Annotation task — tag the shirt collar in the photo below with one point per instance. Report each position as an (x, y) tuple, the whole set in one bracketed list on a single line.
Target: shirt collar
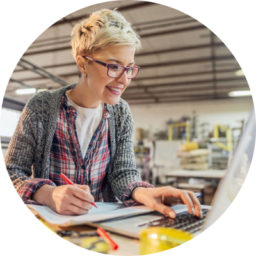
[(106, 113), (71, 109)]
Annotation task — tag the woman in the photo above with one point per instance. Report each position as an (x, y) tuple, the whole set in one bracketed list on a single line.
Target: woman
[(85, 131)]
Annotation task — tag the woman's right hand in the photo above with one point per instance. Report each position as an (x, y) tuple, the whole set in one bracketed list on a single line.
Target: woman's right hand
[(66, 199)]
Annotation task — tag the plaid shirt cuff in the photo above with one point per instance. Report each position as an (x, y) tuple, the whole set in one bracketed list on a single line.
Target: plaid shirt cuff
[(29, 187), (126, 197)]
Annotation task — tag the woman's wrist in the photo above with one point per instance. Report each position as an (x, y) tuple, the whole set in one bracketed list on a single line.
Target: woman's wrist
[(44, 194), (136, 193)]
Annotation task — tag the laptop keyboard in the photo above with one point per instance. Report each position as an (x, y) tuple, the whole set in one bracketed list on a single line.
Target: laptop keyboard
[(183, 221)]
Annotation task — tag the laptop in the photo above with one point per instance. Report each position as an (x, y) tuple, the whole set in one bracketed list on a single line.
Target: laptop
[(228, 188)]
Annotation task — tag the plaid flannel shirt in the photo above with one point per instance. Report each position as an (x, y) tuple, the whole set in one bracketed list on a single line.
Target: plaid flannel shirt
[(66, 158)]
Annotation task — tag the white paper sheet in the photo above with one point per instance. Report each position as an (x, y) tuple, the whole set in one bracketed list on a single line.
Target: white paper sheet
[(104, 211)]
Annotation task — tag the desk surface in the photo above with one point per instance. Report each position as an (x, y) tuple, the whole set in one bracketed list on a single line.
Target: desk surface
[(206, 174), (127, 246)]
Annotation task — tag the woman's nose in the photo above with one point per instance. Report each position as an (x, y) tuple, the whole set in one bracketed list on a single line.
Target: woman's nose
[(124, 78)]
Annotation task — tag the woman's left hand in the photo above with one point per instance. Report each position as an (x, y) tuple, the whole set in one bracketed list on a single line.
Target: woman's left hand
[(161, 198)]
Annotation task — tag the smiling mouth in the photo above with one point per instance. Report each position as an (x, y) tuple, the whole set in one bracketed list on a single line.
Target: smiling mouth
[(115, 91)]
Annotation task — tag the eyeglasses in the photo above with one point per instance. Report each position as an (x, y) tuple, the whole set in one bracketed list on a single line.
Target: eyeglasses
[(117, 70)]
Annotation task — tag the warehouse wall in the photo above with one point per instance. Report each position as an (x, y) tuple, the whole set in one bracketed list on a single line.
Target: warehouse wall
[(8, 119), (154, 117)]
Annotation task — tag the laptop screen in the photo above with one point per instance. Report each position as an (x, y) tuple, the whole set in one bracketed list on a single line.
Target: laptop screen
[(236, 173)]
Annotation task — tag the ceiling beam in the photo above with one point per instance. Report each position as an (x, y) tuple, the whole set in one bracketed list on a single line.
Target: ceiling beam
[(180, 100), (58, 49), (185, 74), (127, 94), (186, 61), (13, 104), (159, 24), (184, 83), (180, 97), (21, 83), (178, 49), (27, 65), (172, 31)]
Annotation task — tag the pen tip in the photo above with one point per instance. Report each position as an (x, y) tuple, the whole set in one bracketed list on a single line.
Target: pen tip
[(92, 203)]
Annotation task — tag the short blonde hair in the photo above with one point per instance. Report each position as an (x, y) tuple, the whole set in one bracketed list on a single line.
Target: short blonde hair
[(103, 28)]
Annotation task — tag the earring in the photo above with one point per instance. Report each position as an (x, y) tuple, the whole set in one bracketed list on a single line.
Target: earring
[(84, 75)]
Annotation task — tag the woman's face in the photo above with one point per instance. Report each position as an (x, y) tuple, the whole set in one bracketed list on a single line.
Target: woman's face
[(101, 87)]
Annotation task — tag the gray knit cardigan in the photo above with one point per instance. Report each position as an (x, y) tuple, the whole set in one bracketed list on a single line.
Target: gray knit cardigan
[(28, 155)]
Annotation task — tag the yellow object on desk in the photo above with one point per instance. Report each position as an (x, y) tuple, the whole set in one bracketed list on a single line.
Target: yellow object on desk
[(188, 146), (88, 240), (157, 239), (95, 244)]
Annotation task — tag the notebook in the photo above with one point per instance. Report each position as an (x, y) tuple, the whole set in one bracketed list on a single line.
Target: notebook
[(226, 192), (104, 211)]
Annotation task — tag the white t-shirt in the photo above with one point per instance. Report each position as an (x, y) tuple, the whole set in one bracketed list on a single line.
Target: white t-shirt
[(87, 121)]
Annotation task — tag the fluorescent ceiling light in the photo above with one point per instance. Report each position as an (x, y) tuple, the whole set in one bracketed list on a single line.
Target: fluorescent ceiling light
[(239, 93), (239, 72), (42, 90), (25, 91)]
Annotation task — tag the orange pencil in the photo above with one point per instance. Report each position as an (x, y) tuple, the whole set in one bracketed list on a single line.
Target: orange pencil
[(106, 237), (64, 177)]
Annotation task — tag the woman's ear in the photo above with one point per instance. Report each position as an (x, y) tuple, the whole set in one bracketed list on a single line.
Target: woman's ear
[(81, 64)]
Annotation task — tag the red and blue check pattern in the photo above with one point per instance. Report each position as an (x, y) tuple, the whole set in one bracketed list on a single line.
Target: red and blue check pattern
[(66, 156)]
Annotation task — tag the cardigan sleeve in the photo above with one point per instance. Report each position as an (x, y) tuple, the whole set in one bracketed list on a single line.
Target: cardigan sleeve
[(124, 176), (20, 156)]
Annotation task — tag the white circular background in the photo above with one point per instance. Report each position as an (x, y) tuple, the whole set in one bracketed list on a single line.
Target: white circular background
[(22, 21)]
